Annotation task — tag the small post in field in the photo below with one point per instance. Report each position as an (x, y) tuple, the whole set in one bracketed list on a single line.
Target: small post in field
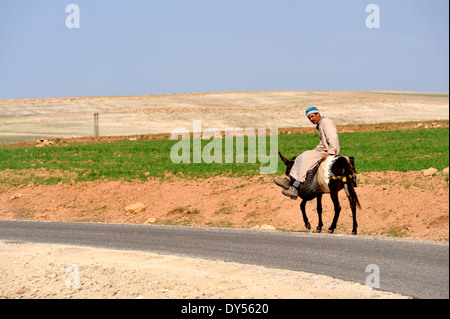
[(96, 127)]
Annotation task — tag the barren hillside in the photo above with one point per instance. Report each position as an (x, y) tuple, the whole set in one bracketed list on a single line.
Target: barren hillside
[(29, 119)]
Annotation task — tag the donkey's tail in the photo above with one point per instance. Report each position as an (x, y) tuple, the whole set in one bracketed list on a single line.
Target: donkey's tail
[(351, 193), (350, 183)]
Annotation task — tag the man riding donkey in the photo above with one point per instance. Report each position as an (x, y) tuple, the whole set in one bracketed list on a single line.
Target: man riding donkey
[(329, 145)]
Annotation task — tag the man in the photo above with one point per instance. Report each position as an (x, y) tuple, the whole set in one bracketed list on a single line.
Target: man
[(329, 145)]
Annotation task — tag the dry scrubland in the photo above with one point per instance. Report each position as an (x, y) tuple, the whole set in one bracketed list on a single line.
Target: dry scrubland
[(30, 119)]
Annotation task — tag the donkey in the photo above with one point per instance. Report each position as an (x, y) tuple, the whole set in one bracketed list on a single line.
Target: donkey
[(343, 176)]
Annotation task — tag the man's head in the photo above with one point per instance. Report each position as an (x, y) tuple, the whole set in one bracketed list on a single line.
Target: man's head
[(312, 113)]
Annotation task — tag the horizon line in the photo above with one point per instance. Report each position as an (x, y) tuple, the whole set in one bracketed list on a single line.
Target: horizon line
[(444, 94)]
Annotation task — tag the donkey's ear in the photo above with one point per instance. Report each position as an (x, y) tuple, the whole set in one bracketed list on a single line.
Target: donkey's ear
[(352, 161), (284, 159)]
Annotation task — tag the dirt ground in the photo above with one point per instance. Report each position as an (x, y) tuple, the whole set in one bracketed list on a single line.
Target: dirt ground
[(395, 204), (398, 204)]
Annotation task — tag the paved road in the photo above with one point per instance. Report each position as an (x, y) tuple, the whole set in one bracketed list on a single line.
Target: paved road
[(409, 267)]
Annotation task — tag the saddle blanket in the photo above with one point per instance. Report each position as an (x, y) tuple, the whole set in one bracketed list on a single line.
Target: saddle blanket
[(324, 174)]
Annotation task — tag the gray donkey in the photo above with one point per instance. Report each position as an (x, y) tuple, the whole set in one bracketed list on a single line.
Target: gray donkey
[(342, 176)]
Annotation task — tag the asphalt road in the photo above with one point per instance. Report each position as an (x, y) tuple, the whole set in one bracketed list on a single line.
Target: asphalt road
[(410, 267)]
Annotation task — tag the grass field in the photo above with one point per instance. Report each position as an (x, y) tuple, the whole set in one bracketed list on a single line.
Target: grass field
[(138, 160)]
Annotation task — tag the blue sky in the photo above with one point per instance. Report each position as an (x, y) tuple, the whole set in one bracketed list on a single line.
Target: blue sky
[(136, 47)]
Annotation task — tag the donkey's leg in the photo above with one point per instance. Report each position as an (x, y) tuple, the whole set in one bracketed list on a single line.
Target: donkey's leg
[(353, 204), (337, 210), (319, 212), (355, 224), (305, 218)]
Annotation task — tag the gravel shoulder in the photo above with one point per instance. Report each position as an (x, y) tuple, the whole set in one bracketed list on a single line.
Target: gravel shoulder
[(34, 271)]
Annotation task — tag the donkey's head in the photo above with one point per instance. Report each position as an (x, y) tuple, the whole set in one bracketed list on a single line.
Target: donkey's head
[(288, 163)]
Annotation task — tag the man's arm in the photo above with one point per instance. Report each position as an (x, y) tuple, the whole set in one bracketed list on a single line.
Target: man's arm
[(331, 137)]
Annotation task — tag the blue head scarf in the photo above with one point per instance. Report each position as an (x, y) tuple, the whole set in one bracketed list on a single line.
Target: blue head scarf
[(311, 110)]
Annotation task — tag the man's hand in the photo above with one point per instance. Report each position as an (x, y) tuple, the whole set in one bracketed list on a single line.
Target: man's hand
[(325, 157)]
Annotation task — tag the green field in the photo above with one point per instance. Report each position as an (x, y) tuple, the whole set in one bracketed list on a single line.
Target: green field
[(414, 150)]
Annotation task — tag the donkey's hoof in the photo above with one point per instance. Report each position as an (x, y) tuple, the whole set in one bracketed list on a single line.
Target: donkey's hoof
[(354, 232), (330, 231), (308, 226), (318, 229)]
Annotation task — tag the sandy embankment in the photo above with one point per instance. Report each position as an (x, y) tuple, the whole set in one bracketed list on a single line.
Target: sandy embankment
[(40, 271)]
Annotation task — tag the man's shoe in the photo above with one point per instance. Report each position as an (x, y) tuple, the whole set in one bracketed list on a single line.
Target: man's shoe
[(292, 193), (282, 182)]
